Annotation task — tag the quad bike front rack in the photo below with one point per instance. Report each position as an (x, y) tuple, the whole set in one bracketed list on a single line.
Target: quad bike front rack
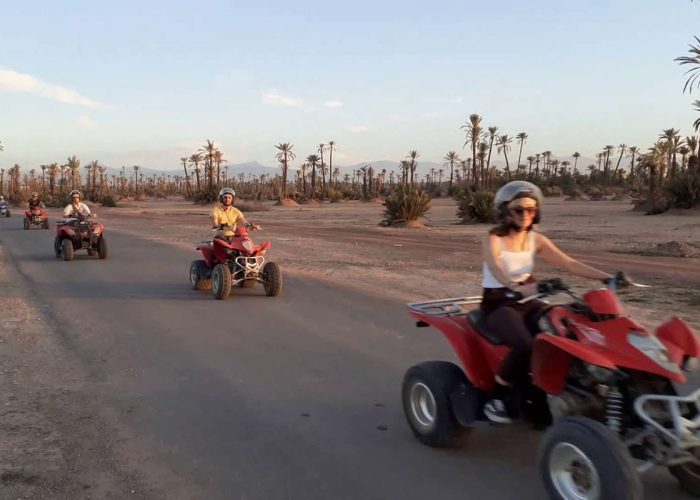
[(445, 307)]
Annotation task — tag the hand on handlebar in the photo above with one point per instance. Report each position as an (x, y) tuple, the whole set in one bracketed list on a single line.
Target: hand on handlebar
[(619, 280), (253, 227)]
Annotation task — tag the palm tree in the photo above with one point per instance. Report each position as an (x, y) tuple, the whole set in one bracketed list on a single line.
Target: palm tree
[(313, 161), (607, 151), (692, 143), (195, 159), (412, 156), (683, 151), (451, 158), (331, 148), (622, 148), (482, 151), (530, 159), (1, 147), (633, 151), (209, 149), (694, 61), (284, 156), (321, 150), (521, 137), (218, 160), (537, 166), (503, 142), (670, 137), (473, 133), (73, 166), (187, 177), (576, 156), (136, 179), (491, 135)]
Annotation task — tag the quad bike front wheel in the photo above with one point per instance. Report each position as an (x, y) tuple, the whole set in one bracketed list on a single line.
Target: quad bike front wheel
[(221, 281), (102, 248), (688, 475), (7, 214), (67, 249), (200, 275), (272, 279), (427, 405), (45, 224), (25, 223), (581, 458)]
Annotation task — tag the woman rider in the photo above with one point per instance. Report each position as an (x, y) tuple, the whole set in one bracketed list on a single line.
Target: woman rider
[(509, 261)]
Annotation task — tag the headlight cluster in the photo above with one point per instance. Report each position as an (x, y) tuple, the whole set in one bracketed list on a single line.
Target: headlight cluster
[(248, 245), (653, 349)]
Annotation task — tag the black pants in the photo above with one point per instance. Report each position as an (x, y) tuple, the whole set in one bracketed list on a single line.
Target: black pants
[(511, 322)]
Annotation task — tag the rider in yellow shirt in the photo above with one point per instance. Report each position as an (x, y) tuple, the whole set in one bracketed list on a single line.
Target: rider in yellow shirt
[(225, 217)]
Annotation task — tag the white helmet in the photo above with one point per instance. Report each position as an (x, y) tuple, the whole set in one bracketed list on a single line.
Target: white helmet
[(224, 191), (512, 191)]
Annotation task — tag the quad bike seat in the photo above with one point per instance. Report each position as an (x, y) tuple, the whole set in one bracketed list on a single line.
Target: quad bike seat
[(477, 321)]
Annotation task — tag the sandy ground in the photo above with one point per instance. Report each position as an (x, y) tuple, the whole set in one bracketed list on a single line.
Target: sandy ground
[(56, 441), (343, 242)]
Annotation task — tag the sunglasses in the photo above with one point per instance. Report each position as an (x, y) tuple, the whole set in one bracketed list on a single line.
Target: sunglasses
[(524, 210)]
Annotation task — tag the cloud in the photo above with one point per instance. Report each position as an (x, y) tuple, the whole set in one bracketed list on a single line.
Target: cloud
[(12, 81), (357, 129), (85, 122), (457, 100), (272, 98), (333, 104)]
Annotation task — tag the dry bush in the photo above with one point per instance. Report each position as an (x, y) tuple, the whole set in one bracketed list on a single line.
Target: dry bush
[(683, 190), (252, 207)]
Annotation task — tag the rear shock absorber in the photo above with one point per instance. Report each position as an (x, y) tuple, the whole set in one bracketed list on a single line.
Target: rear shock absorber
[(614, 406)]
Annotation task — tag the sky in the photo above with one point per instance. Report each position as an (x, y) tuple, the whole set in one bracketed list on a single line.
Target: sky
[(147, 82)]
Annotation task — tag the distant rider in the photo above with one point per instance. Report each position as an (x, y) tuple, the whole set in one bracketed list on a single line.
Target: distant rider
[(225, 216), (34, 202), (76, 207)]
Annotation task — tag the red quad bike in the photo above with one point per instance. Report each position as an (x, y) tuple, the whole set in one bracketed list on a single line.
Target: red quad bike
[(36, 217), (79, 233), (236, 261), (605, 382)]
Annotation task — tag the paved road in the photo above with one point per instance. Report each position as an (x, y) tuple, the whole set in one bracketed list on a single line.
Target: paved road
[(263, 398)]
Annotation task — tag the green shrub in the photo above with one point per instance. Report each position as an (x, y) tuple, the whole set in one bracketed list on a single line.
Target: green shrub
[(683, 190), (552, 191), (405, 204), (476, 206), (205, 196), (109, 201)]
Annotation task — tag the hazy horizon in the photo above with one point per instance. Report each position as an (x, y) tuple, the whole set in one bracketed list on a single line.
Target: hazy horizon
[(134, 83)]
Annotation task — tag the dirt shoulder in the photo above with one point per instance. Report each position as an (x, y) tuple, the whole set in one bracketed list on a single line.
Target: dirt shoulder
[(55, 442)]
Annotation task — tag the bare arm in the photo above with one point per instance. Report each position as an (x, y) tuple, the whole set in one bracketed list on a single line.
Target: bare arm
[(554, 256)]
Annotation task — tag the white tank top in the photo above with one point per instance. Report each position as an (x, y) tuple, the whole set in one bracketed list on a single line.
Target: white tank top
[(517, 265)]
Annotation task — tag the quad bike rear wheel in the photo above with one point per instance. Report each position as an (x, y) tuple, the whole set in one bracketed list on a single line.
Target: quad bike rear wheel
[(221, 281), (102, 248), (200, 275), (581, 458), (25, 223), (57, 247), (67, 249), (45, 224), (427, 404), (688, 475), (7, 214), (272, 279)]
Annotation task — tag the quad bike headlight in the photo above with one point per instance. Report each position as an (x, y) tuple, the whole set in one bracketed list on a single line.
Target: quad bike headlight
[(248, 245), (652, 348), (690, 364), (598, 373)]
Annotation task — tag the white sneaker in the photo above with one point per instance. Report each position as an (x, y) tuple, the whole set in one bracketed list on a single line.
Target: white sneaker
[(495, 411)]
